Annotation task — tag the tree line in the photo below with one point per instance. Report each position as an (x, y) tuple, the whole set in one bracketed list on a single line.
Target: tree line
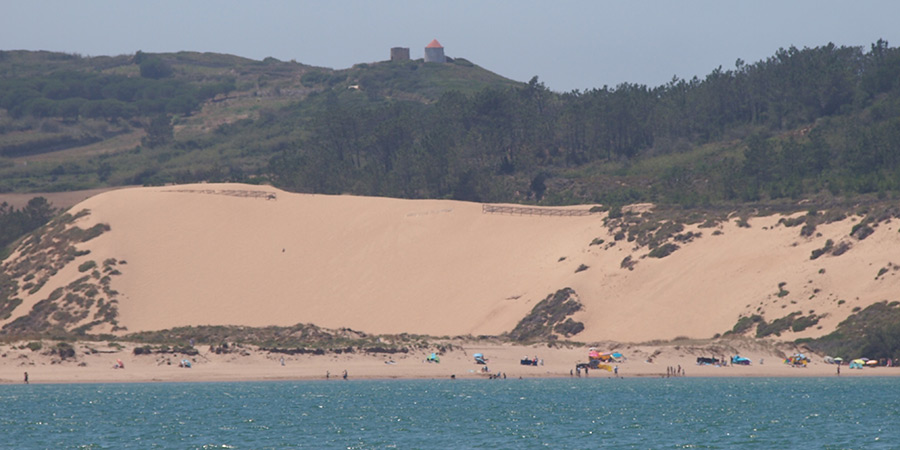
[(70, 94), (806, 120), (16, 222)]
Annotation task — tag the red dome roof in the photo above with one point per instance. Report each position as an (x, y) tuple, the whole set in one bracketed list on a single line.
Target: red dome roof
[(434, 44)]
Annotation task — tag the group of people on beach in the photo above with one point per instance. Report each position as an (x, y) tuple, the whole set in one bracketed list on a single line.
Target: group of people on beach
[(672, 371)]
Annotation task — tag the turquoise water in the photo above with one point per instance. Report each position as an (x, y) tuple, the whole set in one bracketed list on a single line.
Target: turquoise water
[(765, 413)]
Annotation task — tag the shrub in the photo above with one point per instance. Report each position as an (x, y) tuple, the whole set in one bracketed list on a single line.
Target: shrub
[(597, 241), (145, 350), (829, 244), (781, 291), (569, 327), (581, 268), (802, 323), (64, 350), (777, 326), (744, 323), (87, 265), (663, 250), (615, 212), (34, 346), (841, 248)]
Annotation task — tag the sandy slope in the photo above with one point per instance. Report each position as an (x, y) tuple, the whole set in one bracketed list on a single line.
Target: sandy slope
[(253, 255)]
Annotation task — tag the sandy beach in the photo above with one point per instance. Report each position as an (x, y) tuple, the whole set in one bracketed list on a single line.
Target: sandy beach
[(94, 363)]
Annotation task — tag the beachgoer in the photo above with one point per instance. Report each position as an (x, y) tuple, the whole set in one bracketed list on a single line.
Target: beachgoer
[(345, 374), (616, 370), (282, 360), (839, 370), (26, 377), (327, 374), (570, 372)]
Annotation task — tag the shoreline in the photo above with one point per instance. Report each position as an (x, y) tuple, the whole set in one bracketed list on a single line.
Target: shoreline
[(249, 364)]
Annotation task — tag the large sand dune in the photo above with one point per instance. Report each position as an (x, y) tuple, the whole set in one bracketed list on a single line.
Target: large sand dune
[(253, 255)]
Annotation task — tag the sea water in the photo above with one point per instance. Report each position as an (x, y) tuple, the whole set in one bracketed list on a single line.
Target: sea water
[(715, 413)]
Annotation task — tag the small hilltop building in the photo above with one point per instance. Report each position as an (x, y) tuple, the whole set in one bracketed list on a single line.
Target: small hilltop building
[(434, 52), (400, 54)]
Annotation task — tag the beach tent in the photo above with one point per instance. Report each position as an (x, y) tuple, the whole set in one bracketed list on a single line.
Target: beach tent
[(740, 360), (617, 355), (828, 360), (857, 364), (479, 358), (433, 357), (798, 359)]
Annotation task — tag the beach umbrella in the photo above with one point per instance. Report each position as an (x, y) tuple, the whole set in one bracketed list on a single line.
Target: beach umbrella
[(872, 362), (839, 359)]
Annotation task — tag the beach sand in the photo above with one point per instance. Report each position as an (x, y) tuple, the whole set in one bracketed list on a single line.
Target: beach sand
[(94, 363)]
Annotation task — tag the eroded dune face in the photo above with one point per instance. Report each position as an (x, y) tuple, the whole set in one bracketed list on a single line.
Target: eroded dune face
[(217, 254)]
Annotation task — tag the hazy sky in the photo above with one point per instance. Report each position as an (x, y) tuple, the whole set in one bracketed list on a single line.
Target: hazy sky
[(568, 44)]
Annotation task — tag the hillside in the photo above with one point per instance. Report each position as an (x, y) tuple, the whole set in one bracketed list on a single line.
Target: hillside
[(69, 122), (224, 254), (820, 123)]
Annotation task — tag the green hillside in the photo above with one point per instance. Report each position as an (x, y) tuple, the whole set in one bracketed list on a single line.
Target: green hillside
[(69, 122)]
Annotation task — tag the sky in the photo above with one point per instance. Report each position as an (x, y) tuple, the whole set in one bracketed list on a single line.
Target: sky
[(568, 44)]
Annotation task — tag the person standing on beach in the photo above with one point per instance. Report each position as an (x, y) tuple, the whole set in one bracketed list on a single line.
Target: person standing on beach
[(345, 374), (838, 373), (26, 377)]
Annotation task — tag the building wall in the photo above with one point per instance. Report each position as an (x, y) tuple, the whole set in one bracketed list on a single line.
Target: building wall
[(435, 54), (400, 54)]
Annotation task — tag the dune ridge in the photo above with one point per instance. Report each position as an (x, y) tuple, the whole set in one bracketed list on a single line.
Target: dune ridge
[(227, 254)]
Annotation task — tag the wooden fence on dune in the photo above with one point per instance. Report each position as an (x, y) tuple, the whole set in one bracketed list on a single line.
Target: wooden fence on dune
[(229, 192), (533, 211)]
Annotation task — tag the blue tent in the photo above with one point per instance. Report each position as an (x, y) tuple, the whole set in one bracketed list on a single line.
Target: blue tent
[(740, 360)]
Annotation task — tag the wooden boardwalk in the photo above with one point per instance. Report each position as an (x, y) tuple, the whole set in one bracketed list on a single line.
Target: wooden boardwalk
[(533, 211)]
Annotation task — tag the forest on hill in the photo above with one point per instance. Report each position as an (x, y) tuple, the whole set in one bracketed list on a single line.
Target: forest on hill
[(803, 122)]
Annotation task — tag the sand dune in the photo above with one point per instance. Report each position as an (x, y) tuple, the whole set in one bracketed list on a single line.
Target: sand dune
[(211, 254)]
